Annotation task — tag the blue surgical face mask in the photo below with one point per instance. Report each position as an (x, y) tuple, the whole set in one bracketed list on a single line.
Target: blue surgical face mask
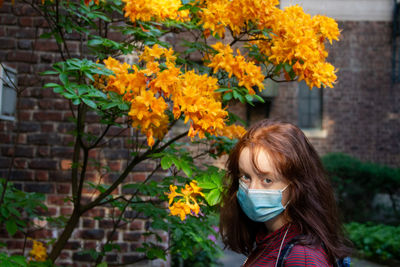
[(260, 205)]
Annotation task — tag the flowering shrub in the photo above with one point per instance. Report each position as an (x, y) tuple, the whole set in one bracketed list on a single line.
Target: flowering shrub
[(163, 87)]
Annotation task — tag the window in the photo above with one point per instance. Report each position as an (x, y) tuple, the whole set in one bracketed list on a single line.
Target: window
[(310, 107), (8, 93)]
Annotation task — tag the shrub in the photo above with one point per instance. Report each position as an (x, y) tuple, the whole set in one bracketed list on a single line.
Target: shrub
[(378, 242), (357, 183)]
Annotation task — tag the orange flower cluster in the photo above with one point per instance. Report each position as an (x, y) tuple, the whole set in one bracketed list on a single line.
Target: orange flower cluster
[(187, 204), (87, 2), (159, 10), (150, 89), (247, 73), (299, 40), (296, 37), (232, 131), (38, 252), (216, 15)]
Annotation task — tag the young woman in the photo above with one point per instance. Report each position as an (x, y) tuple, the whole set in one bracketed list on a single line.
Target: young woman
[(279, 201)]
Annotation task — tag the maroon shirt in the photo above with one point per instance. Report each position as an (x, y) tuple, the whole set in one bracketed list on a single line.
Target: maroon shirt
[(267, 249)]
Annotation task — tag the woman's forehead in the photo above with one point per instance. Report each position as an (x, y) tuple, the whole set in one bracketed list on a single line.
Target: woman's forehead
[(256, 160)]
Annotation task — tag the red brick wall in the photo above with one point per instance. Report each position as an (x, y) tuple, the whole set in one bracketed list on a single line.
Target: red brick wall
[(43, 154)]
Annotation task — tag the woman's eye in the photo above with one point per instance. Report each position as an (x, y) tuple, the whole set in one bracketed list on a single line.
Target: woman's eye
[(267, 181), (245, 178)]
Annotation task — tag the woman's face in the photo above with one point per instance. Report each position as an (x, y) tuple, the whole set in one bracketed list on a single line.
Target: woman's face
[(265, 178)]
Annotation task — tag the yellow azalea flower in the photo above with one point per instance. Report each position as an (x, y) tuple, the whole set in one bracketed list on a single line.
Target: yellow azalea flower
[(159, 10), (38, 252), (232, 131), (298, 39), (186, 203), (195, 188), (247, 73), (173, 193)]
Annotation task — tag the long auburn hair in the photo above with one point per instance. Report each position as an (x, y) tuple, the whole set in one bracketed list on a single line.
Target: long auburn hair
[(312, 205)]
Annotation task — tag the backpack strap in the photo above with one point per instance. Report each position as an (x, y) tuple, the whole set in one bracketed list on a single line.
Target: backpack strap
[(286, 251), (345, 262)]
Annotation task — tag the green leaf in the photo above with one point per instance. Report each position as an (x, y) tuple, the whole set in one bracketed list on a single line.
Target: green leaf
[(259, 98), (64, 78), (51, 85), (227, 96), (213, 197), (90, 103), (186, 168), (103, 264), (11, 226), (249, 98), (207, 184), (49, 72), (166, 162)]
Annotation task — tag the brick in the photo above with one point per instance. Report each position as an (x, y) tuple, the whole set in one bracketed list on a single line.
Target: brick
[(15, 244), (66, 211), (47, 58), (56, 200), (41, 175), (63, 188), (25, 21), (41, 234), (95, 234), (6, 19), (112, 258), (47, 116), (25, 44), (112, 236), (44, 164), (24, 10), (88, 223), (25, 115), (6, 8), (115, 154), (7, 43), (27, 103), (72, 245), (43, 151), (24, 68), (5, 163), (5, 138), (47, 127), (60, 176), (51, 211), (132, 259), (64, 152), (28, 126), (81, 257), (22, 56), (20, 163), (96, 212), (132, 237), (39, 188), (40, 22), (44, 139), (46, 45), (66, 164), (22, 175), (136, 225)]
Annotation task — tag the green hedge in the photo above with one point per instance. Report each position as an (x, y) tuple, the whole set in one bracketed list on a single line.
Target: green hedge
[(377, 242), (357, 183)]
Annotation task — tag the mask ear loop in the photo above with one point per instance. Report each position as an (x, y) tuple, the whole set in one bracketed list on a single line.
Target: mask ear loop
[(287, 203)]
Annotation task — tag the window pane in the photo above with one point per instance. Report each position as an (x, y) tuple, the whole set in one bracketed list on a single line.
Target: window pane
[(310, 107)]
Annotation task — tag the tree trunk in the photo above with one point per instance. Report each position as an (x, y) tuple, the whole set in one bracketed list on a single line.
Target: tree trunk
[(66, 234)]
